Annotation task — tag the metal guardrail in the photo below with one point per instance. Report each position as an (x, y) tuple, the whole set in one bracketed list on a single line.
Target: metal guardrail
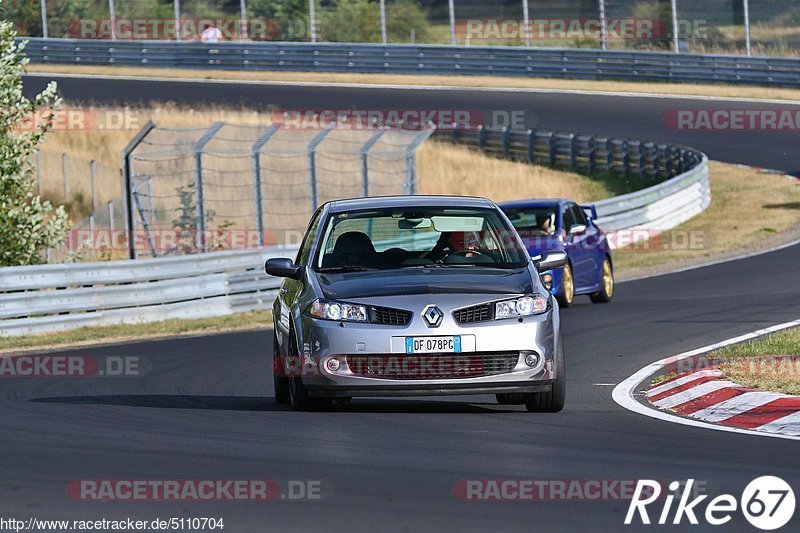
[(569, 63), (680, 174), (40, 299)]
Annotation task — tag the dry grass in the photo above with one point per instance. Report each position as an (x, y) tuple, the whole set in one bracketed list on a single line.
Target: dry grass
[(454, 169), (92, 336), (750, 365), (732, 91), (748, 211)]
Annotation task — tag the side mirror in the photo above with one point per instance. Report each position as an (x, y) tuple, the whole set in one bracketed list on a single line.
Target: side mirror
[(550, 261), (283, 268), (577, 229)]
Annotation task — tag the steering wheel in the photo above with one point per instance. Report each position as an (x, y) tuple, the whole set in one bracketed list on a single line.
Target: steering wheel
[(463, 252)]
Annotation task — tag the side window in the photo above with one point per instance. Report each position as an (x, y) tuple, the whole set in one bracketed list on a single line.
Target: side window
[(578, 215), (568, 217), (308, 240)]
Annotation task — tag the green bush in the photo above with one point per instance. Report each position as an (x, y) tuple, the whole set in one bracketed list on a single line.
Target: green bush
[(28, 224)]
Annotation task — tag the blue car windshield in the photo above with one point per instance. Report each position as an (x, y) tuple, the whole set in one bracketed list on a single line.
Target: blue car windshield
[(535, 221), (424, 237)]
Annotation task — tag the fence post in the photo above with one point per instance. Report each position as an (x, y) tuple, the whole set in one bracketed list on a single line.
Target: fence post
[(452, 22), (312, 160), (601, 5), (65, 177), (675, 36), (747, 26), (244, 30), (526, 30), (176, 6), (93, 169), (383, 22), (44, 18), (198, 183), (411, 161), (506, 142), (312, 23), (112, 14), (260, 142), (127, 204), (481, 137), (365, 162), (111, 220)]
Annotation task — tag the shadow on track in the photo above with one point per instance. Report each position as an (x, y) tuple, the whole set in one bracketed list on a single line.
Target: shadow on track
[(255, 403)]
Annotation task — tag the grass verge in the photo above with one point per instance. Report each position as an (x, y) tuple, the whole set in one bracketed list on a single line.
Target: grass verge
[(136, 332), (749, 211), (728, 91), (748, 364)]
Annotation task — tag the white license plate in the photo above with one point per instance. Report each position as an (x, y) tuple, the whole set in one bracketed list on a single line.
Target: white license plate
[(451, 344)]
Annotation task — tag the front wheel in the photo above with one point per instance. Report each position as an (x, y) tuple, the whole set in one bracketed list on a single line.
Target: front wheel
[(606, 292), (279, 382), (567, 293), (552, 401), (300, 399)]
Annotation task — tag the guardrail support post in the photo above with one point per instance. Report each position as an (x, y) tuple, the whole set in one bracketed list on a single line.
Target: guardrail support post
[(506, 142), (260, 142), (312, 161), (531, 146), (481, 137), (198, 183), (127, 190), (365, 161)]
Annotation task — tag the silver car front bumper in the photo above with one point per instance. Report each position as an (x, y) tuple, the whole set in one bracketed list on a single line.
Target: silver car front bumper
[(325, 340)]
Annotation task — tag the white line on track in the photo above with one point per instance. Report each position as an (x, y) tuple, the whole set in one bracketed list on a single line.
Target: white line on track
[(623, 393), (532, 90)]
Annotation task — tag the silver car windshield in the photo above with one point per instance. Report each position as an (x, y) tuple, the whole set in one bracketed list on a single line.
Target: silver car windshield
[(430, 237)]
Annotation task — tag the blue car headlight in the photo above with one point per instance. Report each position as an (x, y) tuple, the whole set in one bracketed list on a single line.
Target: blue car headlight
[(535, 304), (342, 311)]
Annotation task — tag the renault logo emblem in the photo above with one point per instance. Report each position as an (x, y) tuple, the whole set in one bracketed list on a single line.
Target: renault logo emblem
[(433, 316)]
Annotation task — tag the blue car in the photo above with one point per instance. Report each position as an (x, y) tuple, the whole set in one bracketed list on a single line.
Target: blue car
[(561, 224)]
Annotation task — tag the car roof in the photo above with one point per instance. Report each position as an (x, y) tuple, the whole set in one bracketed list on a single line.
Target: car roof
[(407, 201), (535, 202)]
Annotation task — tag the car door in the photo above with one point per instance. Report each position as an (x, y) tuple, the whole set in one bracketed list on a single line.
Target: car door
[(578, 247), (290, 289)]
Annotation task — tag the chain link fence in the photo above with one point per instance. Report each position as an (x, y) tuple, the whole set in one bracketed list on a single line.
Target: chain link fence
[(768, 27), (233, 186)]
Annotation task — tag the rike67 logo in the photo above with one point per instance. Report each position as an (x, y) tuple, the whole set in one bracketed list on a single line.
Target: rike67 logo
[(767, 503)]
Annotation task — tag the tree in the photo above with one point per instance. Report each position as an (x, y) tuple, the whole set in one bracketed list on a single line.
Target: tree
[(359, 21), (28, 224)]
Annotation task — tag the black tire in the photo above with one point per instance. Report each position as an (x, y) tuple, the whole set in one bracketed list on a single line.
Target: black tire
[(552, 401), (298, 394), (510, 398), (604, 295), (300, 399), (566, 294), (279, 383)]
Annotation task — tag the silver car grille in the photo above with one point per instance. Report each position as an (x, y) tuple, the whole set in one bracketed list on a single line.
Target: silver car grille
[(432, 366)]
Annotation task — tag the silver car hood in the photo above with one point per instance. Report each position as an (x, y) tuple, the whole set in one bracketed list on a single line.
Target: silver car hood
[(418, 281)]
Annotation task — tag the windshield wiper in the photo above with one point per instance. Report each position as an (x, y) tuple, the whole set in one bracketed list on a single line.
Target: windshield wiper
[(346, 268)]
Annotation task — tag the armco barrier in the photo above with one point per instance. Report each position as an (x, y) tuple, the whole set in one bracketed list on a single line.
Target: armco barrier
[(572, 63), (39, 299)]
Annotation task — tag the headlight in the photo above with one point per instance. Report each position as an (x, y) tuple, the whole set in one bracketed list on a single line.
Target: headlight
[(525, 306), (331, 310)]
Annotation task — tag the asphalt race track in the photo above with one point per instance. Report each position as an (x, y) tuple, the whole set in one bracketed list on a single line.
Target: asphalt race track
[(606, 115), (204, 410)]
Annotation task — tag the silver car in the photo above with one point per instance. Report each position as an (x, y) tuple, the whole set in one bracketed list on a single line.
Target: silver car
[(415, 295)]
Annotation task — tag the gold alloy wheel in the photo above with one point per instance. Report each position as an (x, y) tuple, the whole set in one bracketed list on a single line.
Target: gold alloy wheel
[(568, 285), (608, 279)]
